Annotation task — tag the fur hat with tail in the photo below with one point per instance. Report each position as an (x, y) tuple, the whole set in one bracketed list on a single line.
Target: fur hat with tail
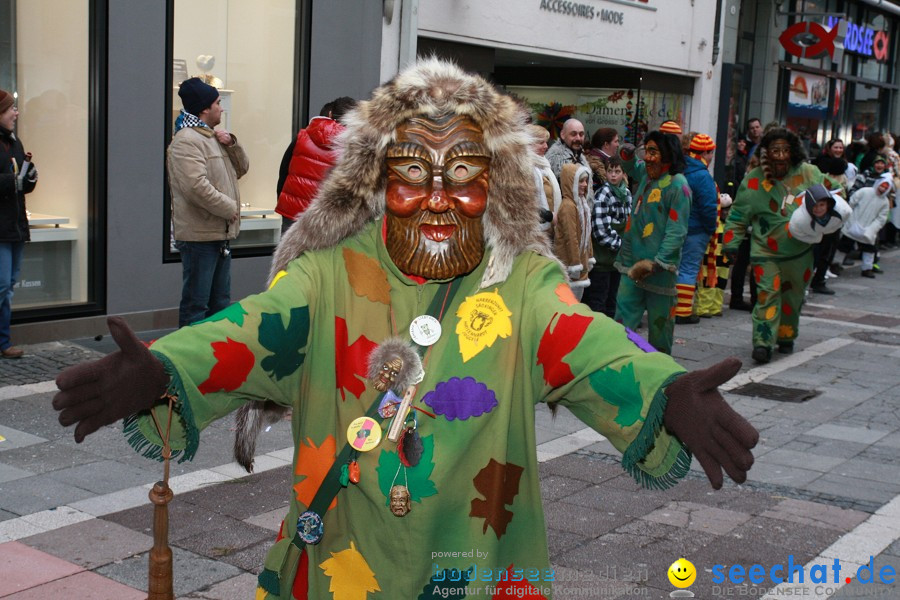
[(353, 193)]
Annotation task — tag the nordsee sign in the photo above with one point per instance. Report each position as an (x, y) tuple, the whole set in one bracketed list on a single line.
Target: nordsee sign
[(584, 11), (863, 40)]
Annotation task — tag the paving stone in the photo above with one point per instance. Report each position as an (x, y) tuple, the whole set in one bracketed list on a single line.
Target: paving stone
[(48, 456), (809, 460), (836, 448), (269, 520), (863, 489), (191, 572), (816, 514), (84, 586), (185, 519), (103, 477), (576, 467), (559, 541), (691, 515), (8, 473), (34, 494), (224, 538), (571, 584), (584, 521), (250, 559), (867, 469), (243, 498), (34, 415), (14, 438), (553, 487), (25, 567), (782, 475), (626, 502), (237, 588), (92, 543), (790, 536), (114, 502)]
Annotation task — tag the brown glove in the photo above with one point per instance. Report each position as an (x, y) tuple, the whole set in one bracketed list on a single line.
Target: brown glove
[(642, 269), (699, 416), (103, 391)]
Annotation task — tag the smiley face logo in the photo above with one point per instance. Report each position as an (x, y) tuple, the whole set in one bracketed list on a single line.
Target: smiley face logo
[(682, 573)]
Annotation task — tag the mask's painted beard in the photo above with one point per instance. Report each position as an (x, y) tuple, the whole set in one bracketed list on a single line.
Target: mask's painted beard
[(415, 254)]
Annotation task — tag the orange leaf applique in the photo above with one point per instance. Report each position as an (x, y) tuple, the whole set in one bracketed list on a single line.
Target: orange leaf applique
[(313, 464), (564, 293), (233, 363), (499, 484), (351, 576), (366, 276), (350, 362)]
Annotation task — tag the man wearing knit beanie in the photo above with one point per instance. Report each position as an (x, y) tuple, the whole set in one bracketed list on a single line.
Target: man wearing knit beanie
[(204, 165), (701, 224)]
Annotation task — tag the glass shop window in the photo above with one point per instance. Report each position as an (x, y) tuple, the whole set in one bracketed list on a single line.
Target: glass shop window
[(246, 49), (44, 64)]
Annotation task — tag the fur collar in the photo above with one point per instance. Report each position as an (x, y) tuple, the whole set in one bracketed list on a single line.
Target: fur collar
[(353, 193)]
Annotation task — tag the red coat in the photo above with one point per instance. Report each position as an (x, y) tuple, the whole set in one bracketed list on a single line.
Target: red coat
[(312, 158)]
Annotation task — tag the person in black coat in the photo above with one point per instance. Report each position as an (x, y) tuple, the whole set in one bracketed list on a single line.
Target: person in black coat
[(18, 176)]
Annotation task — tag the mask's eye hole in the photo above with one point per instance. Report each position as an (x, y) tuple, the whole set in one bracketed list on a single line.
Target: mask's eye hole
[(411, 172), (462, 171)]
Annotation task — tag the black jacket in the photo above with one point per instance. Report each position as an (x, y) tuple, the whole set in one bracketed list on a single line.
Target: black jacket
[(13, 220)]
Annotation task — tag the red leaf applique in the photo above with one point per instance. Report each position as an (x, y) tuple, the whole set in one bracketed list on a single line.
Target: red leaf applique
[(350, 362), (499, 484), (233, 363), (729, 235), (772, 244), (673, 214), (753, 184), (557, 344), (757, 273)]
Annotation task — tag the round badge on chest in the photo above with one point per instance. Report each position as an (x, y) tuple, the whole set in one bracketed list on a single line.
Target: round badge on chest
[(425, 330), (363, 434)]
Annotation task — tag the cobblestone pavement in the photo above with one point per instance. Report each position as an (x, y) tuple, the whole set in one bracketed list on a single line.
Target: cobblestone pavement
[(75, 519)]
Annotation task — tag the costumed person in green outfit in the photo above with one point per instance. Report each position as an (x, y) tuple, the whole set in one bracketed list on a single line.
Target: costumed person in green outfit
[(781, 263), (653, 237), (414, 318)]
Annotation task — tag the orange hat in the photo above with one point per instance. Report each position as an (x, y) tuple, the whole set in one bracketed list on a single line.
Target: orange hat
[(670, 127), (702, 143)]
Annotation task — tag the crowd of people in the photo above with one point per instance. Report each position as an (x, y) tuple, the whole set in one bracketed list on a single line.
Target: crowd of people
[(655, 234)]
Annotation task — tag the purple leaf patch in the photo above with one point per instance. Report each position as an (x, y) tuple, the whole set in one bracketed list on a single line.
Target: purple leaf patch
[(639, 341), (461, 398)]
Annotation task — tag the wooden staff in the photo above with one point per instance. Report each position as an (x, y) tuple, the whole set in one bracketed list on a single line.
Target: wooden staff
[(160, 577)]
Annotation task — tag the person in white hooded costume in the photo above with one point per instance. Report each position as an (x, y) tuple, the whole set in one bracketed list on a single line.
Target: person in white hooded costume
[(871, 207)]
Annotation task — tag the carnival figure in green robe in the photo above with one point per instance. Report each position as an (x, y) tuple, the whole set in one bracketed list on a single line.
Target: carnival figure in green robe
[(781, 264), (653, 238), (414, 318)]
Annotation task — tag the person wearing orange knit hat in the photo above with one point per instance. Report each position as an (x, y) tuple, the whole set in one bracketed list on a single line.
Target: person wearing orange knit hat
[(701, 224), (671, 127)]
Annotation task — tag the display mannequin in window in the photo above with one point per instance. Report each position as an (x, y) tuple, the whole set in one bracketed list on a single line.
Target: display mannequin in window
[(204, 165), (18, 176)]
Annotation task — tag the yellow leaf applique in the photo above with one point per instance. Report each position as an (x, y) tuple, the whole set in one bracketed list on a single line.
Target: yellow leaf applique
[(785, 331), (664, 181), (654, 196), (648, 230), (366, 276), (260, 594), (767, 185), (482, 319), (351, 577), (277, 278), (770, 313)]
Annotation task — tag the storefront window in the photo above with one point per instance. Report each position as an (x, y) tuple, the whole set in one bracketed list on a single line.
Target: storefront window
[(45, 65), (246, 48), (631, 112)]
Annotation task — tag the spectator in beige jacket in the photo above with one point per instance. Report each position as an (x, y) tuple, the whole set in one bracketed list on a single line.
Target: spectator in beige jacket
[(204, 165)]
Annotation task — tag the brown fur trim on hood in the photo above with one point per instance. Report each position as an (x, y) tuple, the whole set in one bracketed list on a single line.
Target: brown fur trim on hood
[(353, 194)]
